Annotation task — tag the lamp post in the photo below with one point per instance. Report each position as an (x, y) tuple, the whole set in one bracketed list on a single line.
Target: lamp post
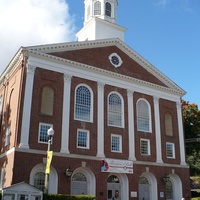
[(50, 133)]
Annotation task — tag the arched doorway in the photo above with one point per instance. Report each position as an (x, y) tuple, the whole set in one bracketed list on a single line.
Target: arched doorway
[(169, 190), (79, 184), (144, 189), (113, 187)]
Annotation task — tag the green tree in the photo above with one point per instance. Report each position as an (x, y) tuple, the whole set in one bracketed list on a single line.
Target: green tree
[(191, 120)]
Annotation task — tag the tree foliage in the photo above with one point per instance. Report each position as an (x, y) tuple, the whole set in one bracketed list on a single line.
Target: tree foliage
[(191, 120)]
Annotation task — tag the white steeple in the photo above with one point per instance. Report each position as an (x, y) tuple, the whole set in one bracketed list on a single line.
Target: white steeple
[(100, 21)]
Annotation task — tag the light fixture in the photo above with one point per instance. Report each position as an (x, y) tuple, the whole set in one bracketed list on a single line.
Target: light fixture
[(68, 172), (50, 132), (165, 178)]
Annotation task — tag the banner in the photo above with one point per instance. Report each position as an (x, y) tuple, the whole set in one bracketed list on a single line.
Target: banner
[(49, 158), (117, 166)]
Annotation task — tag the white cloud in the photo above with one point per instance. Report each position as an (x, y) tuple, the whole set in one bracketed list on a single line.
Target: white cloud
[(162, 3), (32, 22)]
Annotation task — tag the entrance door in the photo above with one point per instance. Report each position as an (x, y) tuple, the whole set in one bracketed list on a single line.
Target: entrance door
[(144, 190), (79, 184), (113, 187)]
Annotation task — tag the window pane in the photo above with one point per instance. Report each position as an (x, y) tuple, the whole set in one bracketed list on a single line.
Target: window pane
[(83, 103), (97, 8), (39, 180), (170, 150), (144, 147), (108, 9), (79, 177), (143, 119), (43, 136), (115, 110), (169, 190), (115, 143), (82, 139)]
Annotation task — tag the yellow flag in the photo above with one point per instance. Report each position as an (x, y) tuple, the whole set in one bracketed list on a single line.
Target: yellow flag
[(49, 158)]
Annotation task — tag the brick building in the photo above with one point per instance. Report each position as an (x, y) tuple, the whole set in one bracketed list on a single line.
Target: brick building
[(117, 119)]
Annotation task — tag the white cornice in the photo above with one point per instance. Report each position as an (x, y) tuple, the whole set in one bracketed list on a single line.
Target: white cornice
[(107, 73), (110, 42)]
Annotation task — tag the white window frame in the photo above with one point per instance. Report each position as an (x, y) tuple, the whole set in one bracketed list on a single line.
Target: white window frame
[(147, 148), (87, 141), (97, 8), (120, 143), (122, 110), (172, 149), (2, 175), (149, 112), (40, 125), (91, 106)]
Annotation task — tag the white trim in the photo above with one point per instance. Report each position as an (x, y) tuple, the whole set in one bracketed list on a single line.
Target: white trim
[(157, 130), (27, 106), (100, 120), (131, 130), (66, 114)]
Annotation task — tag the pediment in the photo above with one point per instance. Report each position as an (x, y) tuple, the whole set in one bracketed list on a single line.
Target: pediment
[(96, 54)]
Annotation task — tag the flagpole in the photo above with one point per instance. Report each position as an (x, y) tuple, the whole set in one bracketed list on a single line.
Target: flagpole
[(50, 134)]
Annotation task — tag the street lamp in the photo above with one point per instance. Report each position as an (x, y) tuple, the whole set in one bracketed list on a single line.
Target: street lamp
[(50, 133)]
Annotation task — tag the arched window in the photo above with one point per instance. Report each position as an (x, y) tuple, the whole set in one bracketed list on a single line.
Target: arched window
[(113, 179), (169, 190), (143, 116), (39, 180), (108, 9), (97, 8), (47, 101), (168, 124), (115, 110), (83, 104)]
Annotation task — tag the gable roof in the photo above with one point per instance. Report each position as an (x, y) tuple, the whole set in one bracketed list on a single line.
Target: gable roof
[(53, 52), (22, 187)]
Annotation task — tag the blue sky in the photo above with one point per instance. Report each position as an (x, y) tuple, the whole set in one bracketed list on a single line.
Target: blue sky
[(164, 32)]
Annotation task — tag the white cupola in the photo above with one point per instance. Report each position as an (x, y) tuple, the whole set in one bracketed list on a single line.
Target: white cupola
[(100, 21)]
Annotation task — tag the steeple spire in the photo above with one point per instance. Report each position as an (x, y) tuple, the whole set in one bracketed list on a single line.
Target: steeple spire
[(100, 21)]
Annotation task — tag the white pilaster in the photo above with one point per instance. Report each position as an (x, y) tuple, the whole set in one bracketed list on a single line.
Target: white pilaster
[(66, 114), (100, 121), (157, 129), (30, 71), (131, 131), (180, 131)]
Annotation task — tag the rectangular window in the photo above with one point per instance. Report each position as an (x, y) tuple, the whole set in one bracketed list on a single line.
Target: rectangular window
[(2, 174), (43, 136), (170, 150), (116, 143), (83, 139), (145, 147)]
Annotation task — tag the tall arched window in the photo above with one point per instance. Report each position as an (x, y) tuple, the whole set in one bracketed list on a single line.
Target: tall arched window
[(143, 116), (169, 190), (97, 8), (115, 110), (83, 103), (39, 180), (47, 101), (108, 9), (168, 124)]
